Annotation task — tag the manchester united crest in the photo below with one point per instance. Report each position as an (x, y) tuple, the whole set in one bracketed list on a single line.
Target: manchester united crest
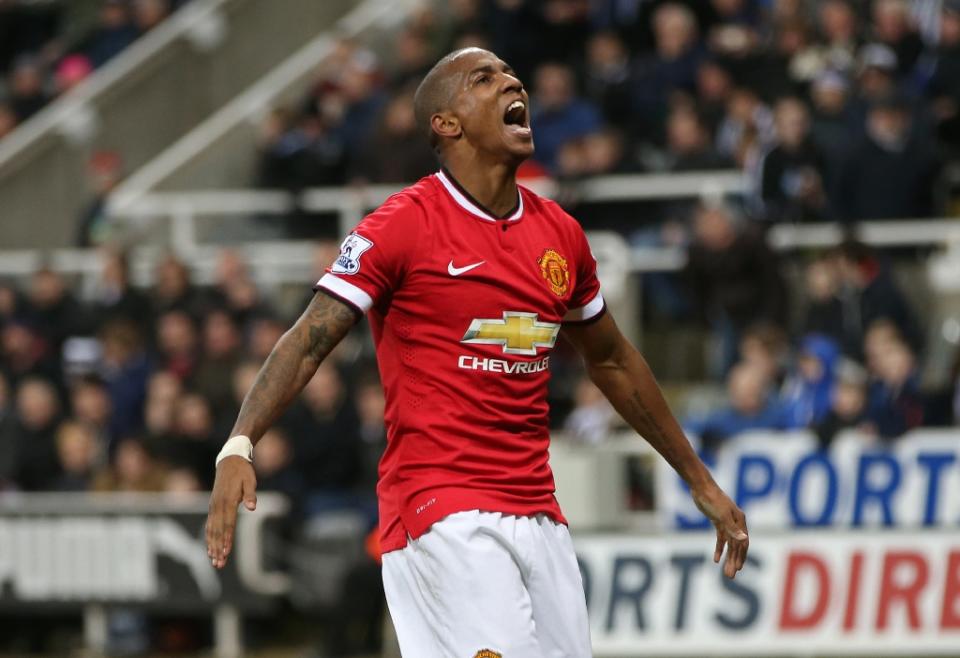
[(487, 653), (553, 267)]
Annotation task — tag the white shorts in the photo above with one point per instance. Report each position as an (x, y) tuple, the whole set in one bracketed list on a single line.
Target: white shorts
[(486, 585)]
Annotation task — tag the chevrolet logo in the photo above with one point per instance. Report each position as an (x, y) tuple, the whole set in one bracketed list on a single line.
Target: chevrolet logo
[(517, 332)]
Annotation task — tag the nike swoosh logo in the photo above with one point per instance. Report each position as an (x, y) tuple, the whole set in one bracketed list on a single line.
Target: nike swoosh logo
[(457, 271)]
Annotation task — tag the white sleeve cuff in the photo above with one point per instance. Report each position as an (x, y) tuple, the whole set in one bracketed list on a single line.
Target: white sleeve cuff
[(346, 291), (588, 312)]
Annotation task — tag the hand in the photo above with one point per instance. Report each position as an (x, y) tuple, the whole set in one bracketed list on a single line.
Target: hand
[(731, 525), (235, 483)]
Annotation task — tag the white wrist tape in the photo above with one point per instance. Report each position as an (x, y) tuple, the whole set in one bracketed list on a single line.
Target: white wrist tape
[(239, 445)]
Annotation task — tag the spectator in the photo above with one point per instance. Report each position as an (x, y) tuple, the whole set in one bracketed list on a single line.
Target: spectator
[(132, 469), (943, 87), (24, 353), (890, 174), (193, 443), (264, 333), (91, 407), (824, 312), (895, 405), (791, 173), (78, 451), (838, 28), (371, 407), (673, 65), (592, 416), (33, 439), (592, 155), (713, 91), (806, 394), (94, 226), (298, 152), (398, 134), (323, 431), (870, 294), (354, 98), (181, 482), (876, 80), (892, 26), (125, 369), (172, 290), (71, 71), (116, 298), (219, 359), (833, 129), (27, 94), (147, 14), (274, 466), (558, 115), (848, 404), (177, 344), (412, 58), (55, 312), (746, 130), (607, 78), (163, 393), (734, 277), (235, 291), (765, 346), (114, 33), (750, 407), (689, 146)]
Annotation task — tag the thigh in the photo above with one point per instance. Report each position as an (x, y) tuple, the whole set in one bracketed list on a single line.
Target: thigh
[(459, 592), (556, 592)]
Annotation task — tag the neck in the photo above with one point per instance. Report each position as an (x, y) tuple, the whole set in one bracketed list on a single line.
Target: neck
[(492, 186)]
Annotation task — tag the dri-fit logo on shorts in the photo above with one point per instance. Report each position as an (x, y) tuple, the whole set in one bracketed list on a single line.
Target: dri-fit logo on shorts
[(517, 332)]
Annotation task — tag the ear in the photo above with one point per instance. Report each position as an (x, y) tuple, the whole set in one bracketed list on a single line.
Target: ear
[(446, 124)]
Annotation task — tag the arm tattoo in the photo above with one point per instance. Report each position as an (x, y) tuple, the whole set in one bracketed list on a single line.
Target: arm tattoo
[(292, 363)]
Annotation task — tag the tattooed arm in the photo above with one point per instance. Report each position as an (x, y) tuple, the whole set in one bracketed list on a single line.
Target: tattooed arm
[(622, 374), (291, 364)]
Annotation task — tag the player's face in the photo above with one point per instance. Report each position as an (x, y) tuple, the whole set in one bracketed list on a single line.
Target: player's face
[(493, 107)]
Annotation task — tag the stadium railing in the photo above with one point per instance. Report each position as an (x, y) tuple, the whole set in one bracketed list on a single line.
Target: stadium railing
[(134, 103)]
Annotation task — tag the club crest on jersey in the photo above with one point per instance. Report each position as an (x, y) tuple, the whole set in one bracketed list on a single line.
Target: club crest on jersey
[(553, 267), (487, 653), (348, 262), (518, 332)]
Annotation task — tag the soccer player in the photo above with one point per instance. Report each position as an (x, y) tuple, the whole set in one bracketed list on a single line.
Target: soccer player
[(468, 280)]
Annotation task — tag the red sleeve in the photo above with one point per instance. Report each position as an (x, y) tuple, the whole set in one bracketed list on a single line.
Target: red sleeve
[(373, 259), (586, 302)]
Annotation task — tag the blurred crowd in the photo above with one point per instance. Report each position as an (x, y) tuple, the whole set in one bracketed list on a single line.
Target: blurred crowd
[(136, 390), (838, 110), (845, 350), (44, 54)]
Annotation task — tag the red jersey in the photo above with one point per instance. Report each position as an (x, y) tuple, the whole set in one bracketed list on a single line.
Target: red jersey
[(465, 309)]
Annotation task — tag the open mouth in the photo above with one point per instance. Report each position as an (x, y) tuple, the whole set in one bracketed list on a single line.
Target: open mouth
[(515, 118)]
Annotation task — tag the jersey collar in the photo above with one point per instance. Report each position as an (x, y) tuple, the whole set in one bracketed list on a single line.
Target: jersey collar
[(468, 203)]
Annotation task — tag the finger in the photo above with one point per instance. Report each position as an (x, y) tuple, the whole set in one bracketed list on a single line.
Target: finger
[(229, 523), (743, 552), (216, 531), (208, 535), (718, 551), (250, 496)]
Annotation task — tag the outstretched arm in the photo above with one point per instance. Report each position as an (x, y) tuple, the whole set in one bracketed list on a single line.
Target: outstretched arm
[(622, 374), (291, 364)]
